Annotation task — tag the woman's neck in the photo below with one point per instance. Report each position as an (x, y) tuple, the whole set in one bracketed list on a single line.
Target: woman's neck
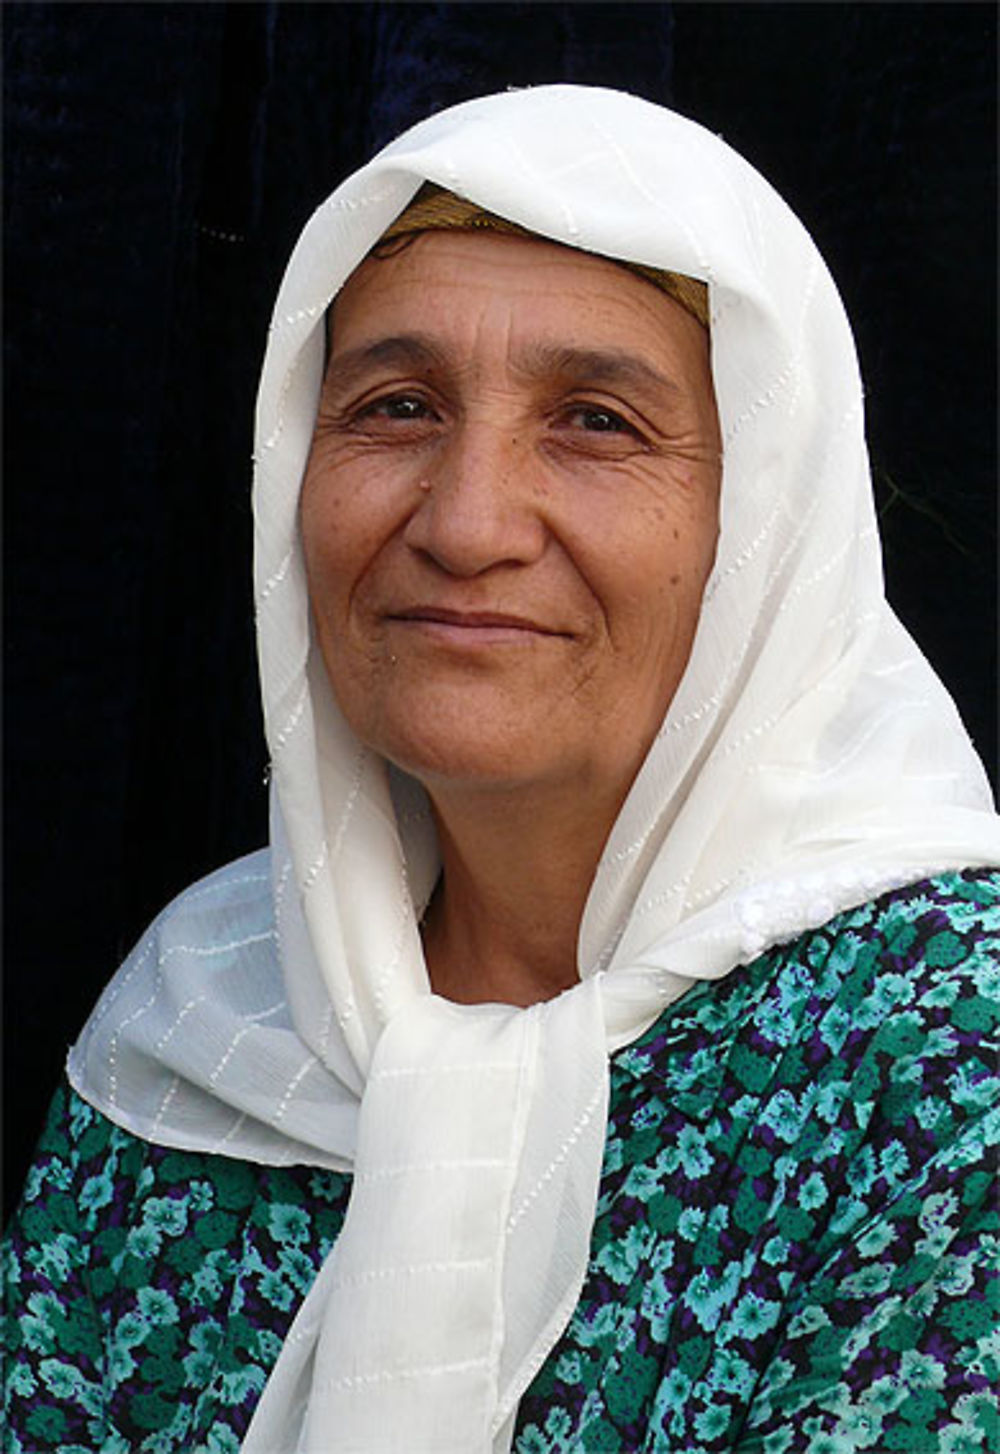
[(503, 925)]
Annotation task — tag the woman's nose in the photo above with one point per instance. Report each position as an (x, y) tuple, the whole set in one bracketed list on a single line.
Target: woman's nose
[(479, 504)]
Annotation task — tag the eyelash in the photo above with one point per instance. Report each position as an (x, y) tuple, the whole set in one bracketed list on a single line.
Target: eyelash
[(416, 409), (618, 424), (383, 406)]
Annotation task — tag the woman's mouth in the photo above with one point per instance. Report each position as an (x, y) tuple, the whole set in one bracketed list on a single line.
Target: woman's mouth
[(471, 628)]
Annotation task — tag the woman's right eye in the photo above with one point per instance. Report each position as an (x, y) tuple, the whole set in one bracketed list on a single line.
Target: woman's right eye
[(397, 406)]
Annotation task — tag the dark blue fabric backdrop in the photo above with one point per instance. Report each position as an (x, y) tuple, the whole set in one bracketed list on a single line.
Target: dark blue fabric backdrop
[(159, 161)]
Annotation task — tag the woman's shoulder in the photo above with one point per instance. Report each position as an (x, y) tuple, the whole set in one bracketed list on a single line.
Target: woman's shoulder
[(240, 891), (221, 924), (204, 976), (148, 1289), (914, 972), (796, 1196)]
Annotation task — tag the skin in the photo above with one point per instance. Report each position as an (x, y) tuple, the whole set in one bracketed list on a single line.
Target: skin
[(509, 515)]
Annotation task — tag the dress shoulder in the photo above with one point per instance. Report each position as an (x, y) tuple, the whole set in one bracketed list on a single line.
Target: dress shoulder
[(147, 1291), (795, 1234)]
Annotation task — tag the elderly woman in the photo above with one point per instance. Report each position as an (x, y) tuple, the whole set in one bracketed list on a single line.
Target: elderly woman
[(596, 1060)]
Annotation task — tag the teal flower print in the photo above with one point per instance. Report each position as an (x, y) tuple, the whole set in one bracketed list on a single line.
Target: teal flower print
[(97, 1192), (956, 1275), (834, 1028), (941, 1041), (62, 1380), (959, 1439), (533, 1441), (732, 1373), (929, 1112), (784, 1116), (201, 1196), (808, 1321), (168, 1215), (276, 1290), (48, 1426), (754, 1315), (131, 1330), (156, 1306), (885, 1395), (858, 1428), (221, 1440), (713, 1422), (569, 1367), (558, 1424), (893, 1162), (143, 1242), (706, 1295), (937, 1212), (696, 1159), (978, 1411), (237, 1385), (970, 1088), (674, 1389), (690, 1223), (618, 1261), (288, 1224), (648, 1114), (875, 1239), (80, 1117), (21, 1381), (775, 1251), (985, 976), (869, 1282), (920, 1370), (774, 1024), (119, 1363), (53, 1259), (642, 1183), (813, 1192), (862, 1171), (824, 1443)]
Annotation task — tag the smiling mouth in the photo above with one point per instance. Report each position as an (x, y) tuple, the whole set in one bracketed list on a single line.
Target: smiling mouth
[(471, 627)]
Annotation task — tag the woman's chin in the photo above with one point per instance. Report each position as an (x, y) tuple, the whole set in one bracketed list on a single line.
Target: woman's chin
[(473, 762)]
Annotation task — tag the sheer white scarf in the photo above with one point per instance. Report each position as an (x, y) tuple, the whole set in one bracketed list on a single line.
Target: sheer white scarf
[(280, 1011)]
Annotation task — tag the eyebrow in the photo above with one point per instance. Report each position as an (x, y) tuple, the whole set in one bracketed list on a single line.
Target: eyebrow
[(408, 351), (418, 351), (596, 365)]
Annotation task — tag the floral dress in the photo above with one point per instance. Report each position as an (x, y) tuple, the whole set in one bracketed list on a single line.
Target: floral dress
[(794, 1249)]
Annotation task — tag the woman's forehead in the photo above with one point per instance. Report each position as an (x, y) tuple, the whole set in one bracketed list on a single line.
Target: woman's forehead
[(456, 287)]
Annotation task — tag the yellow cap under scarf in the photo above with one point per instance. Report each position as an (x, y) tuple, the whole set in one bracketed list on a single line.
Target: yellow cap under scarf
[(435, 210)]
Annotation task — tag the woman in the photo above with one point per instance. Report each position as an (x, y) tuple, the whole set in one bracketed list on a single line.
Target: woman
[(595, 1061)]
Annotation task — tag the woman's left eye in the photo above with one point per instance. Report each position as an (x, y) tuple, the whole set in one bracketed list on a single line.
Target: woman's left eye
[(600, 421)]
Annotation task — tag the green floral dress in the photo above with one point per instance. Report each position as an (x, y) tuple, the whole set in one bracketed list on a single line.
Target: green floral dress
[(794, 1247)]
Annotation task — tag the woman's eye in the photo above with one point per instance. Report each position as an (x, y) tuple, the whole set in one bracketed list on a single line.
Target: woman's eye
[(600, 421), (399, 406)]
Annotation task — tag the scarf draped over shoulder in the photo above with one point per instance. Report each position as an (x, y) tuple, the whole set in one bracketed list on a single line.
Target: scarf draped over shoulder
[(810, 759)]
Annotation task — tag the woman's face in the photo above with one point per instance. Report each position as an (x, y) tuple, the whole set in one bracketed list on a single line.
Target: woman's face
[(510, 510)]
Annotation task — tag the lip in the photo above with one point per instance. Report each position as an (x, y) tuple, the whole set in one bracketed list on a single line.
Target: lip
[(470, 627)]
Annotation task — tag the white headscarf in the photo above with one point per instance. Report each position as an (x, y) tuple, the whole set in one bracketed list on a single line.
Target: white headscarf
[(810, 759)]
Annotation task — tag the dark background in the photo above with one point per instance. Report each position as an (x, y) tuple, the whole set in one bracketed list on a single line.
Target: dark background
[(159, 162)]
